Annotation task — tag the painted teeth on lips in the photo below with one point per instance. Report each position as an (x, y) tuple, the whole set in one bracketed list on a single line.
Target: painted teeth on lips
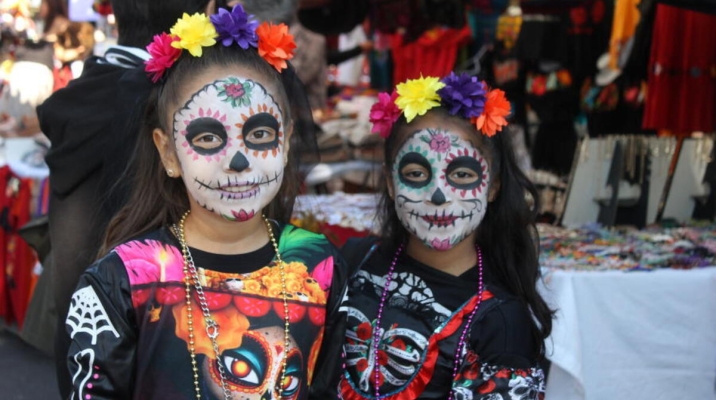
[(237, 189)]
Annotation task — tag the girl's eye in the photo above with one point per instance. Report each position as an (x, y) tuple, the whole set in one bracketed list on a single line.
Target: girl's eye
[(463, 176), (415, 173), (261, 136), (207, 141)]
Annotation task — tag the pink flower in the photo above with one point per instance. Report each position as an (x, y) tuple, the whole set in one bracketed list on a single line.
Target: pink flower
[(440, 245), (323, 273), (384, 113), (150, 261), (163, 55), (242, 215), (440, 143), (235, 90)]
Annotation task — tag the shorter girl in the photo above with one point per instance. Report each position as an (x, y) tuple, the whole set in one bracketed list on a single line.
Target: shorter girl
[(444, 305), (201, 295)]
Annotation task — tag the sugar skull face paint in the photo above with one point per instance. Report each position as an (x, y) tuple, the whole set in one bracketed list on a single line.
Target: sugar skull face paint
[(441, 186), (252, 368), (229, 138)]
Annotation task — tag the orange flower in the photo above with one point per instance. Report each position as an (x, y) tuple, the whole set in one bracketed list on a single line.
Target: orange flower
[(294, 286), (232, 325), (493, 117), (275, 44), (252, 286)]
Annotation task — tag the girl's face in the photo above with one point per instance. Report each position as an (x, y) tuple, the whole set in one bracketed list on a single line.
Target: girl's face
[(231, 144), (440, 183)]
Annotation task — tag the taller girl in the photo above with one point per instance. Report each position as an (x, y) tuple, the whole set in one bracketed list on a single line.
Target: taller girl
[(206, 292), (445, 306)]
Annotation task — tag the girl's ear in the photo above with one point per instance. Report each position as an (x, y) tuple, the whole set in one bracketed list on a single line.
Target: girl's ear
[(288, 132), (389, 182), (165, 146)]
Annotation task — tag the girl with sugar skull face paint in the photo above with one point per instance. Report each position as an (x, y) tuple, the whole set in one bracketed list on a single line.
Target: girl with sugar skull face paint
[(205, 288), (232, 147), (444, 303)]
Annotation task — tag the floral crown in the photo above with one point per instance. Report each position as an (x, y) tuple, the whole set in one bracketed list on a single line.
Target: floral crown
[(194, 32), (462, 95)]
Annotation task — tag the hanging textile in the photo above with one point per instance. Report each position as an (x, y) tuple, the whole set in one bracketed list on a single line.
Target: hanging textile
[(433, 54), (17, 257), (626, 19), (681, 94)]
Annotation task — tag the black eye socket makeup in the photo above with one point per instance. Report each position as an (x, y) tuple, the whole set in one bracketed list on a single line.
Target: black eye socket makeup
[(210, 126), (419, 159), (466, 163), (265, 122)]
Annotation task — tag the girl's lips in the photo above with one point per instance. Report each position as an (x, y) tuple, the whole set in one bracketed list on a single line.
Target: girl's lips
[(238, 192), (237, 188), (440, 220)]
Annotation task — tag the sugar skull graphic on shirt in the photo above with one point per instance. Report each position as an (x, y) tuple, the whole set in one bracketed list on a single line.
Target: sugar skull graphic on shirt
[(230, 140), (441, 186)]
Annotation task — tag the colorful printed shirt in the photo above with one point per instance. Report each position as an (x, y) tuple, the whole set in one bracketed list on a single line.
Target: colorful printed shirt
[(130, 331), (422, 320)]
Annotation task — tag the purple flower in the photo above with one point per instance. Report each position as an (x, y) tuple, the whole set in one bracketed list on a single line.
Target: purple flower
[(463, 95), (236, 26)]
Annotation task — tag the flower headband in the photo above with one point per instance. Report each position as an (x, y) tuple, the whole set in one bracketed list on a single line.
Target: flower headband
[(463, 95), (194, 32)]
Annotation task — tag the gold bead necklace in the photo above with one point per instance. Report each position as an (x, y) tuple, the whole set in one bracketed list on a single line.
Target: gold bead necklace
[(191, 278)]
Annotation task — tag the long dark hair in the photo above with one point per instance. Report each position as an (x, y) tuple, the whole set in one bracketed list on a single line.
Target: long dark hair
[(157, 200), (55, 8), (507, 235)]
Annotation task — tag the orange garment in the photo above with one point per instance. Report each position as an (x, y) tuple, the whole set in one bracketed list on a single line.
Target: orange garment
[(626, 18), (432, 54)]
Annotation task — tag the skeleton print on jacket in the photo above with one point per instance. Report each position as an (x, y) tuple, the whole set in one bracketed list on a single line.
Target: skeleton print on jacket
[(129, 328), (422, 319)]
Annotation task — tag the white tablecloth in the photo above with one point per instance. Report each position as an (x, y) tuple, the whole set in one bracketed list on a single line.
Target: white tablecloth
[(632, 335)]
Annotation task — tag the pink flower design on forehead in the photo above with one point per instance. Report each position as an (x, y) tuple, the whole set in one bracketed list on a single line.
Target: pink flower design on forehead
[(483, 170), (261, 108), (208, 113), (440, 142)]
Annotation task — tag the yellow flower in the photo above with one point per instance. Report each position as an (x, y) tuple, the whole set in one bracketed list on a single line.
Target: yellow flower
[(252, 286), (194, 31), (417, 96)]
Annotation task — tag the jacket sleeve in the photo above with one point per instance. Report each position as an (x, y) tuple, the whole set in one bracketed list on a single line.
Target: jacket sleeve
[(329, 365), (502, 362), (100, 324)]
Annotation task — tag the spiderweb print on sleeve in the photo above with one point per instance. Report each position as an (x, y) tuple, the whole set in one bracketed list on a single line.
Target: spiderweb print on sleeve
[(88, 315)]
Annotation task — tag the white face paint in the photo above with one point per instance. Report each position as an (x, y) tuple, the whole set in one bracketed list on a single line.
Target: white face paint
[(441, 182), (230, 142)]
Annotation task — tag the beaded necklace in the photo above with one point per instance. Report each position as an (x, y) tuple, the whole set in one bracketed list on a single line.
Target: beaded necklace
[(212, 327), (381, 305)]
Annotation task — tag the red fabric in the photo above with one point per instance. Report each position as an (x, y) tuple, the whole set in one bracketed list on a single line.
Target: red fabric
[(5, 310), (681, 94), (338, 235), (62, 77), (433, 54), (19, 258)]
